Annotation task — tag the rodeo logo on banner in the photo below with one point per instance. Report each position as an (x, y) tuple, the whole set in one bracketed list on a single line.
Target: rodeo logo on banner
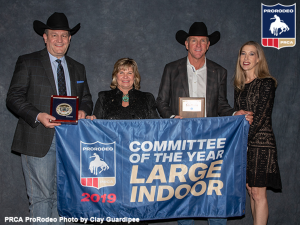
[(152, 169), (278, 25), (94, 159)]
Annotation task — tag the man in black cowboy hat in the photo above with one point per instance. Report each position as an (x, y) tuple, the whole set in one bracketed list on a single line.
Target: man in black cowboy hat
[(37, 76), (196, 76)]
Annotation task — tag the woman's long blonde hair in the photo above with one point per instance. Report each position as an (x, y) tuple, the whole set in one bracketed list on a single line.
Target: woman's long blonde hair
[(261, 70)]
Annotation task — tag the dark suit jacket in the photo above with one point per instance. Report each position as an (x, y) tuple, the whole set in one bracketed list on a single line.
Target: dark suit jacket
[(174, 84), (29, 94)]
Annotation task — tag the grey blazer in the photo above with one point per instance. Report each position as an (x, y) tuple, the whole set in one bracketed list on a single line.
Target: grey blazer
[(174, 84), (29, 94)]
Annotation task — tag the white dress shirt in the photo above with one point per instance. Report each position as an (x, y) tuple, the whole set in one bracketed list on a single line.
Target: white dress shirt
[(197, 81)]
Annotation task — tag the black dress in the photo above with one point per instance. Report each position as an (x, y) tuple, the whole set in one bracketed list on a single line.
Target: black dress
[(141, 105), (262, 166)]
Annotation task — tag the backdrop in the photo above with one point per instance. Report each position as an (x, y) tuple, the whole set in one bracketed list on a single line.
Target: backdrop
[(145, 31)]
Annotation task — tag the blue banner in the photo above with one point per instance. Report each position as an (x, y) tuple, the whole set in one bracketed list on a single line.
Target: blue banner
[(152, 169)]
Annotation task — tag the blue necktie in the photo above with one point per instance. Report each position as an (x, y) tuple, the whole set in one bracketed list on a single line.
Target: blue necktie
[(61, 79)]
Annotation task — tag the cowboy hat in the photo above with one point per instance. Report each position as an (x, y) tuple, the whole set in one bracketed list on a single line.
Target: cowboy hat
[(57, 21), (197, 29)]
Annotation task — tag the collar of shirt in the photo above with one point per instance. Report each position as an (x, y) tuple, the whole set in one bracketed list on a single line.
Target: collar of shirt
[(54, 65), (193, 68)]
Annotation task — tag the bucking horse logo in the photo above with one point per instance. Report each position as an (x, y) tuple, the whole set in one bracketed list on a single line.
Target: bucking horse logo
[(97, 163), (278, 24)]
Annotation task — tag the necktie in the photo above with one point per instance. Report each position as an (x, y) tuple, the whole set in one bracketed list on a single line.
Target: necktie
[(61, 79)]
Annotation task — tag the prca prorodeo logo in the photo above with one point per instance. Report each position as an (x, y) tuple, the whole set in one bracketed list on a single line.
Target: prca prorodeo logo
[(278, 25), (97, 164)]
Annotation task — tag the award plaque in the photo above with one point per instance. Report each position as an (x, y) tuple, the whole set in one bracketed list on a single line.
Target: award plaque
[(191, 107), (64, 108)]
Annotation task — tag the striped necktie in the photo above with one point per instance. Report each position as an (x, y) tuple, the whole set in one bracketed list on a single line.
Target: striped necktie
[(61, 79)]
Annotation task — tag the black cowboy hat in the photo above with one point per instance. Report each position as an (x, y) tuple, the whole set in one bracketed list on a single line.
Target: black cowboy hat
[(57, 21), (197, 29)]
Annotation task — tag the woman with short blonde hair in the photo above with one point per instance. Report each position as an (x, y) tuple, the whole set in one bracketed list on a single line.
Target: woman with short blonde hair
[(125, 100), (125, 63)]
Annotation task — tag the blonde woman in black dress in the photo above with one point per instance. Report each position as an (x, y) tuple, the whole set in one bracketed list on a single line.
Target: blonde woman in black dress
[(255, 91)]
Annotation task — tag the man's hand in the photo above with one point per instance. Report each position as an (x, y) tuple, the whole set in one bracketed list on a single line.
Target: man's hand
[(93, 117), (45, 119), (81, 114), (249, 115)]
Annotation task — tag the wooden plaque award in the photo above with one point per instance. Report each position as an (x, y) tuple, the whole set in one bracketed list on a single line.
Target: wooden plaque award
[(64, 108), (191, 107)]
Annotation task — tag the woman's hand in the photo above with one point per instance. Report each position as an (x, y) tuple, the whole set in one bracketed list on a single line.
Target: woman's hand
[(92, 117), (81, 114), (249, 115)]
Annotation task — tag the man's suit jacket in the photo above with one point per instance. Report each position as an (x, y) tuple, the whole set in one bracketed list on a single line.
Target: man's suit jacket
[(29, 94), (174, 84)]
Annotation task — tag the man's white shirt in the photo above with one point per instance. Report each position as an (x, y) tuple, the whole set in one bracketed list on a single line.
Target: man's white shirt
[(197, 80)]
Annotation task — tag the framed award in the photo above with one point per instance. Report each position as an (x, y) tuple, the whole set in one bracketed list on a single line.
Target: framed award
[(64, 108), (191, 107)]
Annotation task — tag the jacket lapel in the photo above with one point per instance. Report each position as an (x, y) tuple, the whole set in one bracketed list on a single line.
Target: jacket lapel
[(210, 83), (182, 71), (48, 68)]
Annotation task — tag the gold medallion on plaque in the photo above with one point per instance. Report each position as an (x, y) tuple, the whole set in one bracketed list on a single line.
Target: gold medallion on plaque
[(64, 109)]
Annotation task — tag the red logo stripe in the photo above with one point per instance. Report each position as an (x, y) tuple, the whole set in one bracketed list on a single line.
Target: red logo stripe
[(95, 182), (265, 42), (270, 42), (83, 181), (276, 42), (89, 182)]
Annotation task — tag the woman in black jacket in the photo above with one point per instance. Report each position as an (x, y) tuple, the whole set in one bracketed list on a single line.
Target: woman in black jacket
[(125, 101)]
